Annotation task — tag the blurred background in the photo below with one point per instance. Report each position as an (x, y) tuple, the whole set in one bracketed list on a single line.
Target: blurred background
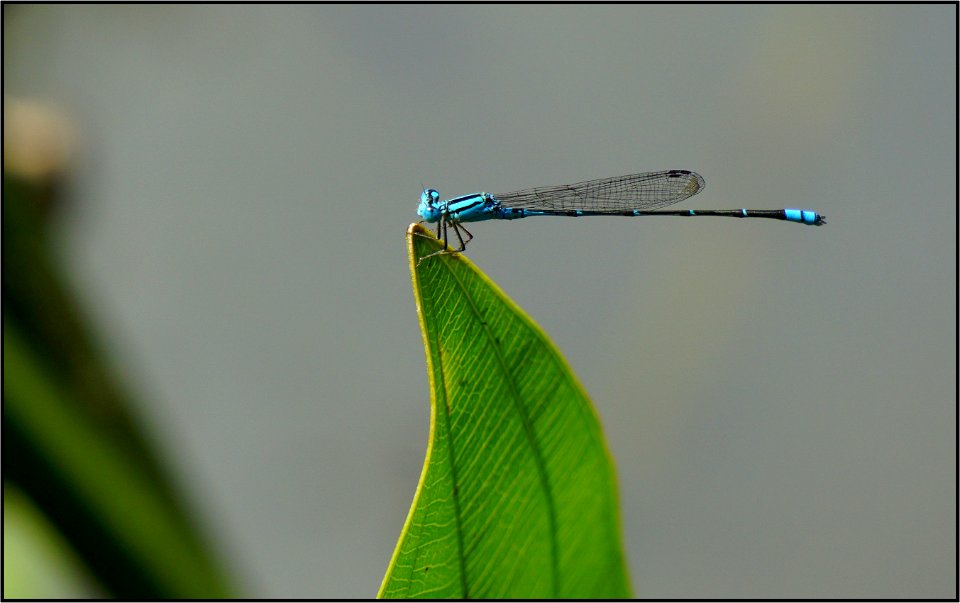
[(208, 241)]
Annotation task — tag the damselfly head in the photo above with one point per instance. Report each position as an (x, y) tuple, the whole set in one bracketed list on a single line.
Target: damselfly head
[(429, 200)]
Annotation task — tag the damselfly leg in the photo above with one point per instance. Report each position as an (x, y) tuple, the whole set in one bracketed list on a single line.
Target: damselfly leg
[(442, 225)]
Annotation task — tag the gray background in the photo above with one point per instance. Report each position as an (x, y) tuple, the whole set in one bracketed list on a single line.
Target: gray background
[(779, 399)]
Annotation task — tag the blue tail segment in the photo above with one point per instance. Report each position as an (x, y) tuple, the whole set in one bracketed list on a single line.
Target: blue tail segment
[(633, 195), (804, 216)]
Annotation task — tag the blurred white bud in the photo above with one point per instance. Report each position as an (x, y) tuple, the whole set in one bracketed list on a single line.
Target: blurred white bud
[(38, 139)]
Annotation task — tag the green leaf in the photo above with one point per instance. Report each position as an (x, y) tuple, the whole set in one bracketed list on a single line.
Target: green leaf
[(126, 518), (518, 496), (37, 562)]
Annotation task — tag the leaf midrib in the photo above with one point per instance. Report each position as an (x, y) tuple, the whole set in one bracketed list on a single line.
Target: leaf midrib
[(528, 433)]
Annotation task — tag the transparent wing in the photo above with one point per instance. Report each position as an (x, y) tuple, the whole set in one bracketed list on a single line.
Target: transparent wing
[(636, 191)]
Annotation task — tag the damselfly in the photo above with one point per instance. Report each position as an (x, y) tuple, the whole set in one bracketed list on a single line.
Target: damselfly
[(633, 195)]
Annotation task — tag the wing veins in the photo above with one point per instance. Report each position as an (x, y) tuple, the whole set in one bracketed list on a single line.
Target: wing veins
[(648, 190)]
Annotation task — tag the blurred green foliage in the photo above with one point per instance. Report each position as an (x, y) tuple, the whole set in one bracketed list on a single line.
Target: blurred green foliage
[(71, 442), (37, 563)]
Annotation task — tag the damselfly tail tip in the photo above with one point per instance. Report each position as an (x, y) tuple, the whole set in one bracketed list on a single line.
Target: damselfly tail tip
[(802, 216)]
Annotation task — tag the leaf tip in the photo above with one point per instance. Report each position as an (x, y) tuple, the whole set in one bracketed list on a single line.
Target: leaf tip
[(420, 243)]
